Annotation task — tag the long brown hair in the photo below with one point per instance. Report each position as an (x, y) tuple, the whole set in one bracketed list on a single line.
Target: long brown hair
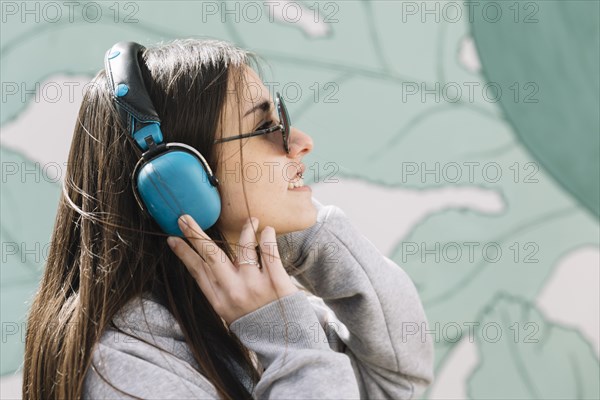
[(104, 252)]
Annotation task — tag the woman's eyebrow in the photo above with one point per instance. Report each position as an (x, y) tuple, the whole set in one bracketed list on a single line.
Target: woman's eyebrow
[(264, 107)]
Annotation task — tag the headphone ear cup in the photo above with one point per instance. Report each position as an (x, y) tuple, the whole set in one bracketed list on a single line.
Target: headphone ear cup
[(176, 183)]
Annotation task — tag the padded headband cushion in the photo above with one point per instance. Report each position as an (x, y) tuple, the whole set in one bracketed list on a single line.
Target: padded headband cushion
[(126, 82)]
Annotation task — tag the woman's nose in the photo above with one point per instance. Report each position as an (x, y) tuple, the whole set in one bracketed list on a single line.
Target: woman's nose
[(300, 143)]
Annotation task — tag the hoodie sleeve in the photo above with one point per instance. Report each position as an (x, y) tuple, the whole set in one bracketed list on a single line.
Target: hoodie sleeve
[(376, 302), (287, 337)]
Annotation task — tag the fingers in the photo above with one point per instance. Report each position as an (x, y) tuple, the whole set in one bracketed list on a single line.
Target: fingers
[(234, 291), (271, 259), (246, 249), (208, 250), (195, 265)]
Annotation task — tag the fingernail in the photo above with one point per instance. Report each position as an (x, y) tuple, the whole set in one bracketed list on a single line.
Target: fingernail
[(171, 241), (183, 222)]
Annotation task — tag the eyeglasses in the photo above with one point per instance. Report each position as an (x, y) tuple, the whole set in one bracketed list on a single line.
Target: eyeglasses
[(283, 126)]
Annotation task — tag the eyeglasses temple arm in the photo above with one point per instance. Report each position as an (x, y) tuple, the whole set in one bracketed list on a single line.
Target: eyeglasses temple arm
[(247, 135)]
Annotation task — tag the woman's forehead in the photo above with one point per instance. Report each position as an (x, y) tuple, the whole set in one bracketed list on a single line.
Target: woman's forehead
[(246, 90), (251, 88)]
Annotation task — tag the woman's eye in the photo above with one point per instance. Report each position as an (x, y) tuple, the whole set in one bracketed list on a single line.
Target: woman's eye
[(265, 125)]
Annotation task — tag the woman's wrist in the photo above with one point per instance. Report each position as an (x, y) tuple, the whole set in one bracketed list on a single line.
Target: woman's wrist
[(289, 322)]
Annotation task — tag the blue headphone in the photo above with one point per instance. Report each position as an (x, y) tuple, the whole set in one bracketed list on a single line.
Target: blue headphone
[(169, 179)]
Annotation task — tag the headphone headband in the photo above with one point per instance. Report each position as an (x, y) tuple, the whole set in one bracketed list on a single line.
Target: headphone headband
[(130, 95)]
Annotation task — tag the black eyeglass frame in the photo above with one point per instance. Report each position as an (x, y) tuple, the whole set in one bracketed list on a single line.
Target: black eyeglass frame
[(283, 125)]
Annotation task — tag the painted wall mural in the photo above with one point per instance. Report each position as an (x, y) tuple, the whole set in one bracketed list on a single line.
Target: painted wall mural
[(463, 138)]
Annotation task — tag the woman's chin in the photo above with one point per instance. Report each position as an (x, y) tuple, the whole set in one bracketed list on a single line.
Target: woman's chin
[(300, 222)]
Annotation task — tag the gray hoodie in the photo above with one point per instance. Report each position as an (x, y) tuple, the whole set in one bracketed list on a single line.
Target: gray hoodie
[(358, 335)]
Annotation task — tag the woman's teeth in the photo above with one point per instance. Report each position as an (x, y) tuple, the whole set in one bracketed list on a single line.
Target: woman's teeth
[(296, 184)]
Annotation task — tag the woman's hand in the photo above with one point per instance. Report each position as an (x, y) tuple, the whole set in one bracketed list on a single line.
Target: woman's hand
[(233, 290)]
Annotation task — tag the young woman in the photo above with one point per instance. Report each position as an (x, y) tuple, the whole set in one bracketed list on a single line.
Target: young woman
[(123, 312)]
